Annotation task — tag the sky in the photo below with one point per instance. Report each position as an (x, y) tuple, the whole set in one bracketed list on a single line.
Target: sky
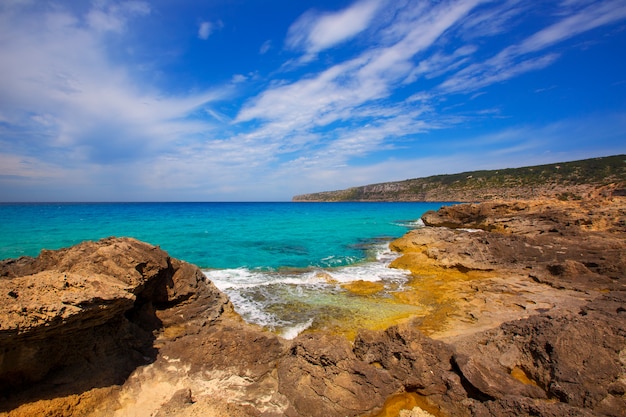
[(260, 100)]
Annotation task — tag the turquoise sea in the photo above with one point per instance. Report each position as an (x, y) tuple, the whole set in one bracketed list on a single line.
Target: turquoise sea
[(282, 264)]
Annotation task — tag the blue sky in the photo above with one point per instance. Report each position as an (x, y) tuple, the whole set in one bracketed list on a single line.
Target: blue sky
[(233, 100)]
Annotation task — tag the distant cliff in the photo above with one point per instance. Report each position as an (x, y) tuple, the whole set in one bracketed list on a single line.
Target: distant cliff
[(567, 181)]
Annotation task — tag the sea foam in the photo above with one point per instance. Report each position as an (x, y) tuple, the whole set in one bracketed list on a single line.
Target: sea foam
[(287, 301)]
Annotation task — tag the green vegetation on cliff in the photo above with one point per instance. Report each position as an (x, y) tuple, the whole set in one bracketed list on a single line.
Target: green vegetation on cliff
[(567, 180)]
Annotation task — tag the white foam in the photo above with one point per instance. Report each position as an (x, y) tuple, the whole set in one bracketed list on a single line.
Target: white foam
[(413, 224), (257, 293), (252, 311), (241, 278), (225, 279), (333, 261), (372, 271), (290, 333)]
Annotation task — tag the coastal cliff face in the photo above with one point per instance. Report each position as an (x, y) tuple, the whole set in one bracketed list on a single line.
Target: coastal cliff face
[(525, 314)]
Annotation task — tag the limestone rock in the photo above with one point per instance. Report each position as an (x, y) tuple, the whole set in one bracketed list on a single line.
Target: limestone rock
[(179, 401), (91, 307), (493, 383), (569, 351), (526, 407), (322, 377), (577, 357), (415, 412), (566, 245), (418, 363)]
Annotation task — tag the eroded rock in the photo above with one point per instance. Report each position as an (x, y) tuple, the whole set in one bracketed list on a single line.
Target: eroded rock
[(84, 317), (322, 376), (563, 244)]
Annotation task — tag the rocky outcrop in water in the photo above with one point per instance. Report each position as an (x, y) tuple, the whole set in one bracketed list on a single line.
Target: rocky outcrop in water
[(526, 316)]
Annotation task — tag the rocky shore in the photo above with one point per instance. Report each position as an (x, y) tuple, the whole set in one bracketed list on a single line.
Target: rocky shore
[(525, 315)]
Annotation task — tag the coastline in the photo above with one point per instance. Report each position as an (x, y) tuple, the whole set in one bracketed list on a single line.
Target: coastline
[(525, 311)]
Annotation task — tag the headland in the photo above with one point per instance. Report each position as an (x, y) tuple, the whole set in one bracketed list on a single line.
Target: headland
[(565, 181)]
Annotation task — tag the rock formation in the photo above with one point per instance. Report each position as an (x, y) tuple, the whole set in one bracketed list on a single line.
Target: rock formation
[(527, 309), (571, 349), (76, 323)]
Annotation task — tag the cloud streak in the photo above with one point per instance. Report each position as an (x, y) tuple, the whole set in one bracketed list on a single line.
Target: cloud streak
[(517, 59), (314, 32), (347, 94)]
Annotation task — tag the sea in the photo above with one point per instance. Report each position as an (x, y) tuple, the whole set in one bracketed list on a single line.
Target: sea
[(286, 266)]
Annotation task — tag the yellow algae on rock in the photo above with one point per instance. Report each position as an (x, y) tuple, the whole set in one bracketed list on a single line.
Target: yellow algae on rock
[(519, 374), (356, 312), (408, 404), (438, 289), (361, 287)]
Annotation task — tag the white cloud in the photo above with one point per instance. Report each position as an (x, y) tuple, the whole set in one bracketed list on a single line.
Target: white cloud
[(597, 14), (313, 32), (63, 99), (349, 91), (265, 47), (238, 78), (496, 19), (205, 30), (105, 17), (440, 63), (520, 58), (495, 70)]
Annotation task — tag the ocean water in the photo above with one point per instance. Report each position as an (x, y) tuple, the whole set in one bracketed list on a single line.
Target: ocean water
[(284, 265)]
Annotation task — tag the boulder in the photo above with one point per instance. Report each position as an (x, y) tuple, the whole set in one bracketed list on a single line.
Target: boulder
[(489, 381), (573, 359), (322, 376)]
